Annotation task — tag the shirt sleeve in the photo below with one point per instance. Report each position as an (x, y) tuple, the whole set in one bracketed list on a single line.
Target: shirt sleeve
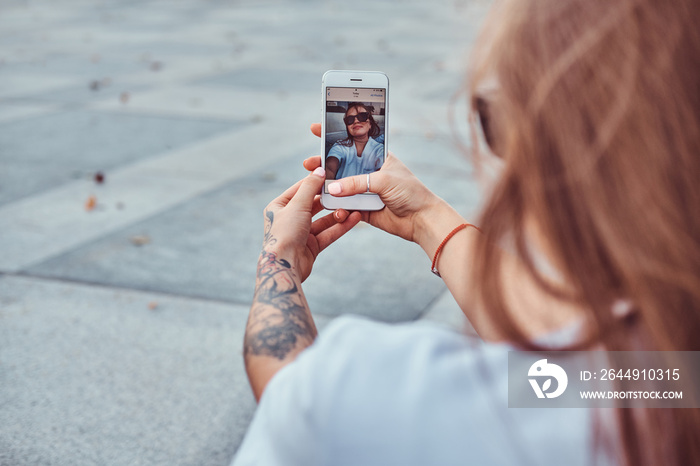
[(282, 431), (293, 422)]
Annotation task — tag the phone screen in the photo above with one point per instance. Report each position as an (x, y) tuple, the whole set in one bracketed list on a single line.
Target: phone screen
[(355, 131)]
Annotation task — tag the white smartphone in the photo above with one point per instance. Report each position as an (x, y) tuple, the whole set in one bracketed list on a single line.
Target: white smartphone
[(354, 132)]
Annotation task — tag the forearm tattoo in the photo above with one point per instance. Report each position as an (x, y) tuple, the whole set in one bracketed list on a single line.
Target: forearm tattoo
[(279, 317)]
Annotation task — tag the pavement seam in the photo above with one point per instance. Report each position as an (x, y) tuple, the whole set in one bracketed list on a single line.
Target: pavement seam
[(72, 281), (431, 304)]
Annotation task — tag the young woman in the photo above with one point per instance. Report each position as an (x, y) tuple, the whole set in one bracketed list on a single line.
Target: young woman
[(362, 151), (593, 224)]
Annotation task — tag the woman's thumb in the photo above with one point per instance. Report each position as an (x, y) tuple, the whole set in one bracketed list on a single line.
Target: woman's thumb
[(304, 197)]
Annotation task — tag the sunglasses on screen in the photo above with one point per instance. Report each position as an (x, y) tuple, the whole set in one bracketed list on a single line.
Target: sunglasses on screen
[(361, 117)]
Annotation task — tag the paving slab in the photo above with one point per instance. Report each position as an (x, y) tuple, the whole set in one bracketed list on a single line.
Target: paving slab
[(208, 247), (95, 375), (77, 66), (17, 112), (90, 89), (48, 224), (270, 107), (275, 80), (47, 151), (118, 383), (31, 83)]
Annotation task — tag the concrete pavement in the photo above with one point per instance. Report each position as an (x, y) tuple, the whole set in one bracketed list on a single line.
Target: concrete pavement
[(121, 323)]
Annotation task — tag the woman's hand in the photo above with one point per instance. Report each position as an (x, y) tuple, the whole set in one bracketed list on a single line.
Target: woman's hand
[(415, 213), (409, 203), (280, 325), (289, 232)]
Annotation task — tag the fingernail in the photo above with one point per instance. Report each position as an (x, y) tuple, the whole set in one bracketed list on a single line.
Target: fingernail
[(320, 172), (334, 188), (340, 215)]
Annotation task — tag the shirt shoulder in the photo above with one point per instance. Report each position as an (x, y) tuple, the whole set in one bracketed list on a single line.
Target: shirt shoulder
[(419, 393), (372, 393), (407, 393), (375, 147), (355, 342)]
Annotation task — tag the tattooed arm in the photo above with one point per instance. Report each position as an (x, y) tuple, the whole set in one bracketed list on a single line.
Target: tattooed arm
[(280, 325), (279, 311)]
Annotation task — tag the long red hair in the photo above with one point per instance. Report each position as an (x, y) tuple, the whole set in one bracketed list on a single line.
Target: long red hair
[(597, 119)]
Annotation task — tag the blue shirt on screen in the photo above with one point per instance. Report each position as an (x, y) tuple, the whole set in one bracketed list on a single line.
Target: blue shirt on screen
[(350, 164)]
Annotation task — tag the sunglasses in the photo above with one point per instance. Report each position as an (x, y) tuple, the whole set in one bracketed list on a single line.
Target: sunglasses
[(361, 117), (483, 110)]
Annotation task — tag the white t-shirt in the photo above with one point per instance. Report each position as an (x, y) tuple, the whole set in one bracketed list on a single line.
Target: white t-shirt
[(351, 164), (367, 393)]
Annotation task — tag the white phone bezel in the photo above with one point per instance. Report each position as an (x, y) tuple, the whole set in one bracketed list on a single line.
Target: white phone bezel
[(345, 78)]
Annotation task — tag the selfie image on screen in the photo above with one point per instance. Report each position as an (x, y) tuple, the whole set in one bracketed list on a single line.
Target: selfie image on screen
[(354, 131)]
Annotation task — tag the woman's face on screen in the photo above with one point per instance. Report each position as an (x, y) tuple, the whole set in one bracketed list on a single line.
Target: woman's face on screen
[(357, 128)]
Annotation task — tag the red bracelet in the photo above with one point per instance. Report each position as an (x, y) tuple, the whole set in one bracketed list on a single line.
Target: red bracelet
[(433, 267)]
